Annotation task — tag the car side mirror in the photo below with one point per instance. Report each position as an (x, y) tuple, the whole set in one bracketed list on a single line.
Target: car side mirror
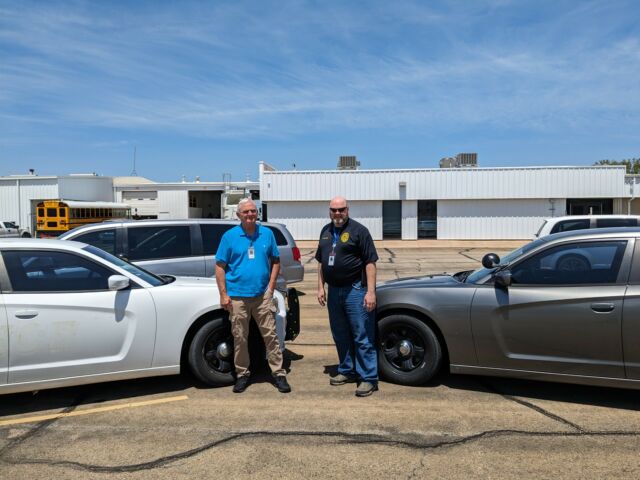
[(118, 282), (122, 256), (503, 278), (490, 260)]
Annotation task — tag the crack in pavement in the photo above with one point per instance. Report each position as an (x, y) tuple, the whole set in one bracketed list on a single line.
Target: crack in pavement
[(38, 429), (532, 406), (392, 255), (355, 438), (462, 252)]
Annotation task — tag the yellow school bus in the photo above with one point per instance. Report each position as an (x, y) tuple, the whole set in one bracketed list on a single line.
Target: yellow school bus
[(54, 217)]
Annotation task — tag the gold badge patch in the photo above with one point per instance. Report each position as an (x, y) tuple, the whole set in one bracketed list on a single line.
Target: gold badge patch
[(344, 238)]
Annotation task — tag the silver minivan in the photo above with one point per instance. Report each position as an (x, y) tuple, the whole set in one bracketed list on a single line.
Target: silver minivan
[(180, 247)]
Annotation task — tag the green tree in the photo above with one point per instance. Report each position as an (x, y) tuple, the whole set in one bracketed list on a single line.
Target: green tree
[(632, 164)]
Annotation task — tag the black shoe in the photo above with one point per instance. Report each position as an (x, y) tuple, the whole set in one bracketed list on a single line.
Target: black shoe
[(241, 384), (281, 384)]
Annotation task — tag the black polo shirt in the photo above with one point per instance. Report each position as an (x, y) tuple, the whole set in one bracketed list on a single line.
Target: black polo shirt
[(353, 251)]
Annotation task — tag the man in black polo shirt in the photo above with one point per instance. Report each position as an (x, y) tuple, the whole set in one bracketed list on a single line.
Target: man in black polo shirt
[(347, 259)]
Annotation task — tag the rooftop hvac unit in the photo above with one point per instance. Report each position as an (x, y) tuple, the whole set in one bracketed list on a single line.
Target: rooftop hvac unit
[(348, 163)]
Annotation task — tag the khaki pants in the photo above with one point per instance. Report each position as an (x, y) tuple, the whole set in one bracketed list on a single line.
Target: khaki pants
[(262, 309)]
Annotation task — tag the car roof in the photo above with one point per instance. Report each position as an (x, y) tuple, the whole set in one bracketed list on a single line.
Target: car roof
[(584, 217), (630, 232), (39, 243), (217, 221)]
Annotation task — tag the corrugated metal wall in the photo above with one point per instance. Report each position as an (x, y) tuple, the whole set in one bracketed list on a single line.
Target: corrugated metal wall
[(410, 220), (494, 219), (305, 219), (173, 204), (437, 184), (16, 201)]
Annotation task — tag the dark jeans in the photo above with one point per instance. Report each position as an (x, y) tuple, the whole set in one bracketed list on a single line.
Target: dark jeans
[(354, 332)]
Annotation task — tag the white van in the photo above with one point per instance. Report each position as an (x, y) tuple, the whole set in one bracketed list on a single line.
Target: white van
[(580, 222)]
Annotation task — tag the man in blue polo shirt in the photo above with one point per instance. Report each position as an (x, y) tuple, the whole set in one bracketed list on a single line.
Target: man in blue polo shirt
[(247, 266)]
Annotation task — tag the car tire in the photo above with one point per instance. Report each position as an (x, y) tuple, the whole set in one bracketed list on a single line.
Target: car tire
[(211, 353), (573, 263), (25, 235), (409, 351)]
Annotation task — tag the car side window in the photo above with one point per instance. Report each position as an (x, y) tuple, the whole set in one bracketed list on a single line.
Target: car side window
[(211, 235), (54, 271), (616, 222), (568, 225), (572, 264), (103, 239), (280, 238), (167, 241)]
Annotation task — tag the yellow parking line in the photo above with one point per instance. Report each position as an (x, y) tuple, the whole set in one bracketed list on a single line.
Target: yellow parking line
[(88, 411)]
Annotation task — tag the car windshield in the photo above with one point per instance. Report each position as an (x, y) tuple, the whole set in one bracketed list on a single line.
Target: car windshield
[(142, 274), (482, 272)]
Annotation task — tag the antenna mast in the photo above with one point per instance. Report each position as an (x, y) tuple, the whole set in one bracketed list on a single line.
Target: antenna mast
[(133, 172)]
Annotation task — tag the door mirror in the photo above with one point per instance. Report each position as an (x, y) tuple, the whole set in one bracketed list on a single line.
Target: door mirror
[(118, 282), (490, 260), (503, 278)]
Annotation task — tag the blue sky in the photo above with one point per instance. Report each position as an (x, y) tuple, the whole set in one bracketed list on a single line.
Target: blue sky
[(204, 88)]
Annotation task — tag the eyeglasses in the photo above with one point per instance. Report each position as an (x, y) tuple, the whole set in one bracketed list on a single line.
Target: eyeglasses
[(253, 210), (338, 210)]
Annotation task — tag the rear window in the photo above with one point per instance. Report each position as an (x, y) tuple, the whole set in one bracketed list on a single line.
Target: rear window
[(167, 241), (617, 222), (280, 238), (568, 225)]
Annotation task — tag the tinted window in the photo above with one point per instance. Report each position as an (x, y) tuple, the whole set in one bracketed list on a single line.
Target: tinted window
[(211, 235), (280, 238), (104, 239), (147, 243), (50, 271), (616, 222), (51, 212), (568, 225), (572, 264)]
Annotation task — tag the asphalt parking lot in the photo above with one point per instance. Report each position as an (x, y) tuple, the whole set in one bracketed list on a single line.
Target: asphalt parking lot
[(455, 427)]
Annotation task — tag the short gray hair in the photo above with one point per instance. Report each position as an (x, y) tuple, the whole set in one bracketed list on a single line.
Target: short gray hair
[(244, 201)]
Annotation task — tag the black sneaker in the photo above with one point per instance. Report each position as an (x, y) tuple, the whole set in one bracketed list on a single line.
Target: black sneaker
[(241, 384), (281, 384)]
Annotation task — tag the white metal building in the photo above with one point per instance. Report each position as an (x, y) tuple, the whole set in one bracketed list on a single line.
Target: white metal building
[(19, 194), (478, 203), (176, 200)]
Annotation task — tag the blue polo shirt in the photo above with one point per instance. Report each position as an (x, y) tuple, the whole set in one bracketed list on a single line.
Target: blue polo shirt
[(246, 277)]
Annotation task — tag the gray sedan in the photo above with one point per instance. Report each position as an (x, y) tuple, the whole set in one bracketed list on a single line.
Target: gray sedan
[(564, 308)]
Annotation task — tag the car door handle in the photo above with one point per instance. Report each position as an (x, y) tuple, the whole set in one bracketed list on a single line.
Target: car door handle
[(603, 307), (26, 313)]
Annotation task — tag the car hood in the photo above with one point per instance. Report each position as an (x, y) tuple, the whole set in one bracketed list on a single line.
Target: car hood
[(441, 279), (192, 281)]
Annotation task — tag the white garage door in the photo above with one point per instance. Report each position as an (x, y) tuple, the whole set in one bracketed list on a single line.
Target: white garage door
[(146, 202)]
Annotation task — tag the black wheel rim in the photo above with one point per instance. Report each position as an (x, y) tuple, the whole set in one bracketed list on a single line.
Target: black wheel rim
[(218, 350), (403, 347)]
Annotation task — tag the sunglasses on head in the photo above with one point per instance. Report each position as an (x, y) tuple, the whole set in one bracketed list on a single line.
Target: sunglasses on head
[(338, 210)]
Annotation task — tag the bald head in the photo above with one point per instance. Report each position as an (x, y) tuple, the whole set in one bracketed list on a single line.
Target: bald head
[(338, 211)]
